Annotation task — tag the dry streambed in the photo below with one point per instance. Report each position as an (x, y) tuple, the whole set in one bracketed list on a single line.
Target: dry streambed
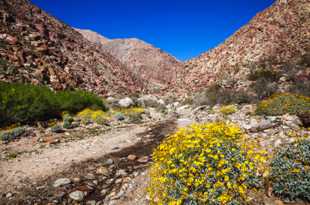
[(99, 170)]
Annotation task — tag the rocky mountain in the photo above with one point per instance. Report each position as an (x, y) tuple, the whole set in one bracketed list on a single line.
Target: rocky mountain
[(151, 64), (37, 48), (271, 52)]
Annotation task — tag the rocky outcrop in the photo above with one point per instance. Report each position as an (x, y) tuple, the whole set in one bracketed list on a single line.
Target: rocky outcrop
[(276, 39), (157, 69), (37, 48)]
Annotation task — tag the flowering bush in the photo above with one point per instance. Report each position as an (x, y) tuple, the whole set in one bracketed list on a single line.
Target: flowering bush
[(290, 171), (97, 116), (204, 164), (283, 103), (228, 109)]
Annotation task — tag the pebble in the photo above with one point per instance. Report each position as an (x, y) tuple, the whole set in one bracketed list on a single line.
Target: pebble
[(108, 162), (132, 157), (61, 182), (103, 171), (121, 172), (144, 159), (77, 195), (103, 192)]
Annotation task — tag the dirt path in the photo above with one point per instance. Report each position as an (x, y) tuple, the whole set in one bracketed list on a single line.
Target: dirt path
[(122, 181), (52, 160)]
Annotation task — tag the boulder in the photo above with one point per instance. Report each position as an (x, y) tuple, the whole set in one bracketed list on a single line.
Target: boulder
[(125, 102)]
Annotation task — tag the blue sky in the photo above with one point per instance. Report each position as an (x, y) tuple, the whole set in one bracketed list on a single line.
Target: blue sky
[(184, 28)]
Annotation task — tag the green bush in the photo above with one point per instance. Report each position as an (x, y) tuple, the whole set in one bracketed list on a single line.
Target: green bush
[(284, 103), (290, 173), (74, 101), (20, 103)]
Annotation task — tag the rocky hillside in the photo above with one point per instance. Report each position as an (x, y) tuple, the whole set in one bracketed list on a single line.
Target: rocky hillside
[(37, 48), (151, 64), (273, 49)]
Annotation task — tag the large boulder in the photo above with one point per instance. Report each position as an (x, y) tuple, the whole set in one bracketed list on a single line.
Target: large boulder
[(126, 102)]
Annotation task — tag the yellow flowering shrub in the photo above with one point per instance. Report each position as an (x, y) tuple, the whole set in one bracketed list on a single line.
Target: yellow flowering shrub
[(283, 103), (97, 116), (228, 109), (205, 164)]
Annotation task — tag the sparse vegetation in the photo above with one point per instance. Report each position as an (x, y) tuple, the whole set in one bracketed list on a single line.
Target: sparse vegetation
[(290, 173), (284, 103), (228, 109), (20, 103), (218, 95), (205, 164)]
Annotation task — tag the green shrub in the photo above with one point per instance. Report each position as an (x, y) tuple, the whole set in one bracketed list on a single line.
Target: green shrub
[(205, 164), (290, 172), (284, 103), (74, 101), (12, 134), (20, 103)]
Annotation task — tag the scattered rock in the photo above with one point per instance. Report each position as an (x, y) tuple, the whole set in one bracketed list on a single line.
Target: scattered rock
[(108, 162), (77, 195), (104, 192), (144, 159), (61, 182), (121, 172), (131, 157), (103, 171)]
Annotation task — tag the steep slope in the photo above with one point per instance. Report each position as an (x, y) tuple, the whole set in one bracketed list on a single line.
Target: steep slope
[(37, 48), (155, 67), (275, 42), (93, 36)]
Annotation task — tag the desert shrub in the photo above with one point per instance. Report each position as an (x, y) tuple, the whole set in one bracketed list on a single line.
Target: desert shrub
[(20, 103), (264, 73), (90, 115), (12, 134), (135, 118), (284, 103), (301, 87), (290, 173), (218, 95), (6, 68), (264, 88), (204, 164), (228, 109)]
